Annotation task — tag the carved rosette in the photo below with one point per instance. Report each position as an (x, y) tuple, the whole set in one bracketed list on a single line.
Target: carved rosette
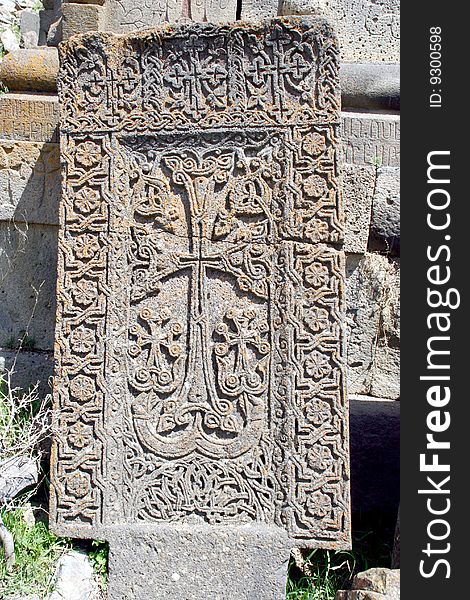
[(200, 297)]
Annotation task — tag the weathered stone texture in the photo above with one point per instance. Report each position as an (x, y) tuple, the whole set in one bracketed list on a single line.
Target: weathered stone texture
[(367, 30), (371, 139), (385, 224), (200, 297), (75, 578), (373, 296), (358, 190), (33, 69), (29, 182), (371, 86), (197, 563), (259, 9), (29, 28), (29, 368), (80, 18), (374, 584), (29, 117), (126, 15), (28, 258)]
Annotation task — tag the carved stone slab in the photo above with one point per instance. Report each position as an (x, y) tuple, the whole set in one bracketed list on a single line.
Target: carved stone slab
[(199, 340)]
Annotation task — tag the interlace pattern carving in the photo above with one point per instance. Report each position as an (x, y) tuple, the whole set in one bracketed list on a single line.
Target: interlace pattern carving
[(200, 305)]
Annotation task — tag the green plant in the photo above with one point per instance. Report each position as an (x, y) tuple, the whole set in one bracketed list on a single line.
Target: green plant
[(38, 6), (327, 571), (37, 551), (98, 555), (376, 161)]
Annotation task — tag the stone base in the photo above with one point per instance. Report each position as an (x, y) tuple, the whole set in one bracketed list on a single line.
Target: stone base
[(198, 563)]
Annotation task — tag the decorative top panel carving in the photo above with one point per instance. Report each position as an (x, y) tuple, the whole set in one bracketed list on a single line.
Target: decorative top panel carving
[(201, 75), (127, 15), (200, 362)]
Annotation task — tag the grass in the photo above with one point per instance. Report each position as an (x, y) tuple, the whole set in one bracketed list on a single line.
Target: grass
[(333, 570), (98, 555), (37, 553)]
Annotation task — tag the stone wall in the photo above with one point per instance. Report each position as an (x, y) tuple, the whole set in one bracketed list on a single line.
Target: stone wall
[(30, 188)]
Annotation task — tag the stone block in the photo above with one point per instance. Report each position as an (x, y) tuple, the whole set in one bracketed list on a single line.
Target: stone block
[(28, 258), (29, 182), (123, 16), (29, 117), (200, 323), (385, 224), (367, 31), (372, 299), (29, 28), (371, 139), (371, 86), (50, 32), (358, 189), (196, 563), (17, 473), (373, 584), (375, 455), (75, 578), (33, 69), (80, 18)]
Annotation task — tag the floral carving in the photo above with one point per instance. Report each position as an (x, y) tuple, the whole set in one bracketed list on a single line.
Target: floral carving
[(87, 200), (80, 435), (314, 143), (319, 505), (316, 275), (82, 340), (318, 365), (82, 388), (78, 484), (88, 154), (85, 291)]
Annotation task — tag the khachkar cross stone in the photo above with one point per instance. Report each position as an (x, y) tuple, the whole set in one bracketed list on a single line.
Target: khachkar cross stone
[(200, 349)]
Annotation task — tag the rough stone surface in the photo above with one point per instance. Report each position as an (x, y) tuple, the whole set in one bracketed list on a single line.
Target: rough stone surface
[(29, 182), (371, 85), (367, 30), (128, 15), (259, 9), (373, 296), (371, 139), (29, 27), (375, 455), (374, 584), (197, 563), (33, 69), (16, 474), (75, 578), (29, 117), (358, 190), (50, 32), (28, 258), (385, 225), (80, 18), (29, 368), (207, 253)]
